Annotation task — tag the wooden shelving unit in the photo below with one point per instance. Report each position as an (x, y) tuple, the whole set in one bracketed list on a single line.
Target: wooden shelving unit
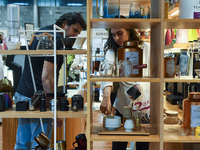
[(156, 24), (10, 115)]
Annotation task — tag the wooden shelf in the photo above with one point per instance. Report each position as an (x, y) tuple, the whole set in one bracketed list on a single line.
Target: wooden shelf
[(177, 45), (125, 138), (94, 78), (182, 24), (175, 138), (43, 52), (11, 113), (181, 80), (125, 23)]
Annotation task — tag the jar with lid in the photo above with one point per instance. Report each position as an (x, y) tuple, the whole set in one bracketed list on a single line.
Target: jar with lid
[(171, 121), (131, 50), (191, 112)]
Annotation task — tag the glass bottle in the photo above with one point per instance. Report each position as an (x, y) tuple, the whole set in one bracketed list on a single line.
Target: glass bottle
[(195, 48), (137, 119), (190, 47)]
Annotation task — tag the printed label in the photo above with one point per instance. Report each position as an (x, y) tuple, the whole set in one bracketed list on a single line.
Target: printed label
[(195, 116), (170, 68), (134, 58)]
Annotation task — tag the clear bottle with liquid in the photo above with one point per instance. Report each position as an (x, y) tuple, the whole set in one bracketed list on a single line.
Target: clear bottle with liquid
[(137, 115)]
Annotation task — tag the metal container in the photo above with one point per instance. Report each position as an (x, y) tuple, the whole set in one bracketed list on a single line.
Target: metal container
[(52, 105), (191, 112), (42, 140), (133, 53), (61, 145)]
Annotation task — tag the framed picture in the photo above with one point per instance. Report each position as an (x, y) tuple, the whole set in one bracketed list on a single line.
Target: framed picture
[(29, 26)]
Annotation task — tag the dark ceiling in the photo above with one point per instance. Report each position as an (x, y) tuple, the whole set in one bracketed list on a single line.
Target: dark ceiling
[(45, 2)]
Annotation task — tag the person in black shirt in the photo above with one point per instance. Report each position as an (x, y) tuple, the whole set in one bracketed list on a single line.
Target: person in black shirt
[(43, 70)]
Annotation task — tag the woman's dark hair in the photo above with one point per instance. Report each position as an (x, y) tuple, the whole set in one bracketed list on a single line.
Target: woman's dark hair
[(72, 18), (111, 44)]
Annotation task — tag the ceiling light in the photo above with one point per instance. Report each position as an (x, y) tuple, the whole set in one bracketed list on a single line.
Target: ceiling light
[(21, 3), (74, 4), (148, 30)]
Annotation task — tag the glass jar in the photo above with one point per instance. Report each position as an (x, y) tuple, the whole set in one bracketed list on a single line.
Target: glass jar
[(171, 121), (131, 50), (45, 42), (137, 116), (191, 113), (106, 68)]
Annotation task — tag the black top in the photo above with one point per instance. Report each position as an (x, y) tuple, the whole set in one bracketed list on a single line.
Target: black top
[(25, 86)]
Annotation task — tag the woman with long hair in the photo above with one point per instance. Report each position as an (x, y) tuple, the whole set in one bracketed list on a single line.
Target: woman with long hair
[(114, 94)]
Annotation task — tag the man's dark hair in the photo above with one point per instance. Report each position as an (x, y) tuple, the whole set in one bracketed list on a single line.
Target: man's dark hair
[(72, 18)]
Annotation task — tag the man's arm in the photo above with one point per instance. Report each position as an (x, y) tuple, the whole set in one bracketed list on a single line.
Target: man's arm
[(48, 77), (48, 83)]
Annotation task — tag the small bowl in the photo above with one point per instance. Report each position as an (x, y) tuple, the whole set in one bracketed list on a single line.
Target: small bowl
[(112, 127), (183, 131), (113, 121)]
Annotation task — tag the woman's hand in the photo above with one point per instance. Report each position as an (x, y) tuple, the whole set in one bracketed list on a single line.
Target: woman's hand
[(105, 106), (138, 87)]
